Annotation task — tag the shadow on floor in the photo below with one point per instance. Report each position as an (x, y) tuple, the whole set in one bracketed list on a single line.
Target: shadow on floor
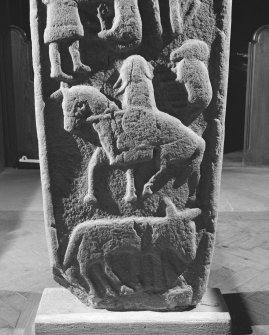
[(240, 318), (248, 309)]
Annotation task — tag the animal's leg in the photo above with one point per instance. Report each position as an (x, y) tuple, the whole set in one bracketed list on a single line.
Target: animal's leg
[(105, 282), (147, 190), (175, 153), (84, 273), (130, 195), (75, 54), (113, 280), (55, 61), (176, 17), (195, 172), (153, 279), (97, 280), (97, 159)]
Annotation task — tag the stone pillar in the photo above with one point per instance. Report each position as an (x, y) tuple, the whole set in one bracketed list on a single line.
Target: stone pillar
[(131, 143)]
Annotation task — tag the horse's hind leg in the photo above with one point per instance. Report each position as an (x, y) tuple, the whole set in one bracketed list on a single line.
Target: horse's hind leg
[(177, 153), (98, 158), (130, 195), (194, 178), (147, 190)]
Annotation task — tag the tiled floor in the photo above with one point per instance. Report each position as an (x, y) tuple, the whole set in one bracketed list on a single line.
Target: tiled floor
[(240, 265)]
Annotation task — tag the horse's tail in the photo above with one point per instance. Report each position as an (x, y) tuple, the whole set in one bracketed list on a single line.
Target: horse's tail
[(73, 246)]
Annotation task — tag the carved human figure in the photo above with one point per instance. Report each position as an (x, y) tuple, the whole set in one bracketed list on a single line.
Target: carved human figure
[(64, 29), (83, 103), (126, 31), (139, 133), (149, 133), (191, 70)]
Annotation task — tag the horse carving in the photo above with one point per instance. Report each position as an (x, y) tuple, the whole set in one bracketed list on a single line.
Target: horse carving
[(137, 133)]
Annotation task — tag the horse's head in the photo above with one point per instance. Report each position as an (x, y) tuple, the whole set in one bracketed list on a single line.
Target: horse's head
[(191, 49), (79, 103), (135, 69)]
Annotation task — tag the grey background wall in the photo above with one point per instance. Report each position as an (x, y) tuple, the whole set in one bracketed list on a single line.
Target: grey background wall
[(247, 17)]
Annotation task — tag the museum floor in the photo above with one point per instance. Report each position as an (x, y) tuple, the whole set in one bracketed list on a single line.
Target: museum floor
[(240, 266)]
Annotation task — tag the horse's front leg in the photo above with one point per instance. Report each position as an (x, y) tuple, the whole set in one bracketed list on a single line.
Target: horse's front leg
[(98, 158), (147, 190), (130, 195)]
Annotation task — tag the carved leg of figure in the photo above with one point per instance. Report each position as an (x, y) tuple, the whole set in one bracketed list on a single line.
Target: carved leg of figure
[(97, 278), (85, 275), (147, 190), (153, 279), (126, 30), (105, 16), (195, 175), (55, 61), (75, 54), (130, 195), (152, 25), (113, 279), (170, 154), (99, 157), (176, 17)]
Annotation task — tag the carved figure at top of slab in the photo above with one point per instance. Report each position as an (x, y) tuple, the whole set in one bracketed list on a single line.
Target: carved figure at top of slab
[(126, 30), (191, 70), (64, 29)]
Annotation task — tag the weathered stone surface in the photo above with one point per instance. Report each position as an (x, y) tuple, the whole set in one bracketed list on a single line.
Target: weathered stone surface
[(130, 104)]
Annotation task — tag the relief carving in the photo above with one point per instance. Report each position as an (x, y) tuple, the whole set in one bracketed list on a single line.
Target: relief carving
[(190, 67), (64, 29), (130, 161), (132, 258), (126, 31)]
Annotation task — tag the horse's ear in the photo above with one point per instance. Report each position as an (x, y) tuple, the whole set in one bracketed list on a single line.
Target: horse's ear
[(149, 71), (64, 87)]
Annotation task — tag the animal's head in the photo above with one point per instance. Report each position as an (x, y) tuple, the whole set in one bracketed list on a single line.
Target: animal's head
[(191, 49), (134, 69), (79, 103)]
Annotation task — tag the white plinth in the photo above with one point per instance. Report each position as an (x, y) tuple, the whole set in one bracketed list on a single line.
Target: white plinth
[(62, 313)]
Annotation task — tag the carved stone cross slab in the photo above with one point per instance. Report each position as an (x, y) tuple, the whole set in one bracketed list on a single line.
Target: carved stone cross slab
[(130, 103)]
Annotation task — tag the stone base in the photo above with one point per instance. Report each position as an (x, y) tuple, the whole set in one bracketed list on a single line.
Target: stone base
[(61, 313)]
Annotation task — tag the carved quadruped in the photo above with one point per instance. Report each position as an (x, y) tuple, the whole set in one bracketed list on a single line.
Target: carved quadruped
[(129, 256), (130, 160)]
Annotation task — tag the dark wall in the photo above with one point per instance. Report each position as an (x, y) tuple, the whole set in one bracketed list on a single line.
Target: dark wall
[(12, 12), (4, 22), (19, 14), (247, 17)]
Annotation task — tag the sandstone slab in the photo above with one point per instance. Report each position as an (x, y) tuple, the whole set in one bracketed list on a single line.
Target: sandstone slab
[(130, 103)]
